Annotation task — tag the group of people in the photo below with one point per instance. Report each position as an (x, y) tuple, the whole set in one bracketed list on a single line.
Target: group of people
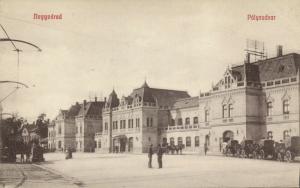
[(174, 148), (159, 153)]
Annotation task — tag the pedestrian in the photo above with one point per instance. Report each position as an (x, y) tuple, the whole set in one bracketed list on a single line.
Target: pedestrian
[(159, 156), (180, 149), (150, 153), (205, 148), (22, 157)]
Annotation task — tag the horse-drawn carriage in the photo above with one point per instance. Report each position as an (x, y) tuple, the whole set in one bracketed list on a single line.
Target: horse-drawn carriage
[(264, 149), (289, 149), (246, 149), (232, 148)]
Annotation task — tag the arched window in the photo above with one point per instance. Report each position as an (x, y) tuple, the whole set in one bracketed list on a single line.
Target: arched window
[(270, 135), (172, 143), (188, 141), (285, 107), (230, 110), (269, 108), (187, 121), (224, 111), (179, 141), (197, 141), (286, 134)]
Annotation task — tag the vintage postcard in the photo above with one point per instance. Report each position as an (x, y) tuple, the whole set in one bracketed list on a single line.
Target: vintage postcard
[(149, 93)]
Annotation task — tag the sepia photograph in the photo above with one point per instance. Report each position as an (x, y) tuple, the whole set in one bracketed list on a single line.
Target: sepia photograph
[(149, 93)]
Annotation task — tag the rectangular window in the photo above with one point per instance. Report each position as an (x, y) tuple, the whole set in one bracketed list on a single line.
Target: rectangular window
[(172, 122), (188, 142), (179, 141), (148, 122), (195, 120), (151, 122), (206, 118), (179, 121), (269, 109), (137, 123), (187, 121), (286, 107), (172, 143), (230, 110), (269, 83), (197, 141)]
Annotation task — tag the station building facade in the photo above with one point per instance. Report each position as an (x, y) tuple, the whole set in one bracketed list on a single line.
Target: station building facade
[(253, 100)]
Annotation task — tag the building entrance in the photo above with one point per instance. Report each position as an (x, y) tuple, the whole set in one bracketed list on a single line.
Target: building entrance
[(228, 135), (130, 144)]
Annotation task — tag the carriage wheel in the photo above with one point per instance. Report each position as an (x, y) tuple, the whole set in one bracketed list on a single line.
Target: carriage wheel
[(279, 157), (288, 156)]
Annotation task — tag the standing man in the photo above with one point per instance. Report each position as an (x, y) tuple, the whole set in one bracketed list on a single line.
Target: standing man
[(159, 156), (205, 148), (150, 153)]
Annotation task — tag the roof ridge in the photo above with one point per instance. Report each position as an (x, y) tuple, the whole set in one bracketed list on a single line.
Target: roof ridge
[(188, 98)]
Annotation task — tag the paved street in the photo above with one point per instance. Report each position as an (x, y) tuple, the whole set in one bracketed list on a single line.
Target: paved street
[(31, 176), (124, 170)]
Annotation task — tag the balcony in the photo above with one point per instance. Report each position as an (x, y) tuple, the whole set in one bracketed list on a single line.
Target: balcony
[(176, 128)]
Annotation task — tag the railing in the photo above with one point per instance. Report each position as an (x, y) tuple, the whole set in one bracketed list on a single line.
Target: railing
[(185, 127)]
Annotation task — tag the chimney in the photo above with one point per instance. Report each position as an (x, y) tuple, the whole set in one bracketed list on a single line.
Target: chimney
[(95, 99), (279, 50), (247, 58), (84, 104)]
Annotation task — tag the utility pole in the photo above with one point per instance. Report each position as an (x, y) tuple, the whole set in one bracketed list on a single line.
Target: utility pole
[(12, 41)]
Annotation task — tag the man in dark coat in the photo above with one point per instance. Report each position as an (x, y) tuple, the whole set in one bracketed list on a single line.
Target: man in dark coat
[(150, 153), (159, 156), (205, 148)]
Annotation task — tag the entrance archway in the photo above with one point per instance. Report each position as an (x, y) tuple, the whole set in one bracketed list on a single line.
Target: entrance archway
[(123, 141), (130, 144), (228, 135), (207, 140)]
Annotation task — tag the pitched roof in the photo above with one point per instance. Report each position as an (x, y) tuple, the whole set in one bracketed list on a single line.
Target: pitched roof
[(164, 97), (270, 69), (73, 110), (91, 108), (186, 103)]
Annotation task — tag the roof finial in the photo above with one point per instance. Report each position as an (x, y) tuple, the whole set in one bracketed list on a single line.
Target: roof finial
[(145, 84)]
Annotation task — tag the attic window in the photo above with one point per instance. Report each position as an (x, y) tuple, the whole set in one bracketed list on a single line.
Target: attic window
[(281, 68)]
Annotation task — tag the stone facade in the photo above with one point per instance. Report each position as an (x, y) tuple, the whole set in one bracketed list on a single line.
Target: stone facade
[(133, 123), (88, 121), (64, 128), (51, 137), (254, 100)]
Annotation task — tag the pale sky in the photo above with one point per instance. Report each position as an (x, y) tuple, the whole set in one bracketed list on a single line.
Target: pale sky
[(98, 45)]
